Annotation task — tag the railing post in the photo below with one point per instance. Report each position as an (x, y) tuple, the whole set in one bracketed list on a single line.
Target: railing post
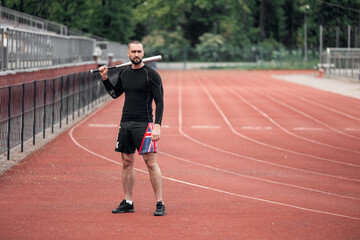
[(84, 90), (61, 99), (53, 108), (9, 123), (79, 91), (67, 99), (34, 122), (44, 117), (22, 117), (73, 93), (88, 88)]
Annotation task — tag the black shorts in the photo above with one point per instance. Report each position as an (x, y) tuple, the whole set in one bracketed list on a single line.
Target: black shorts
[(135, 135)]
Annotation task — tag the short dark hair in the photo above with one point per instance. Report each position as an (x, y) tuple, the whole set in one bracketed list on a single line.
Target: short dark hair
[(134, 42)]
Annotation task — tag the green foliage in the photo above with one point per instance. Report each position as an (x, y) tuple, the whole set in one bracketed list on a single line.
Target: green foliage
[(169, 44), (184, 22), (112, 20), (209, 47), (210, 40)]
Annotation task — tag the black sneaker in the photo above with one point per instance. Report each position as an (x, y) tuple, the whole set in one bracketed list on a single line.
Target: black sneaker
[(160, 209), (124, 207)]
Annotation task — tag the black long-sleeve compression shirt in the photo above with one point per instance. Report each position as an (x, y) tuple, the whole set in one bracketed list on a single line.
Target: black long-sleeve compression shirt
[(141, 87)]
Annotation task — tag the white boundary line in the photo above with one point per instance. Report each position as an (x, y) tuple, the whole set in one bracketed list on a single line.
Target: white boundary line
[(308, 116), (291, 133), (257, 178), (304, 99), (201, 186), (243, 156), (205, 127), (270, 119), (285, 130)]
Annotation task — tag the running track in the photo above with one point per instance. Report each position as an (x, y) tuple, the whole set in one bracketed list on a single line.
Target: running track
[(243, 156)]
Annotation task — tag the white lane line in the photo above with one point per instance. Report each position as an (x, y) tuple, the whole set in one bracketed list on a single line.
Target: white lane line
[(103, 125), (308, 116), (205, 187), (283, 128), (244, 156), (256, 178), (255, 128), (263, 143), (329, 108), (205, 127), (352, 129), (200, 186), (307, 129), (263, 200)]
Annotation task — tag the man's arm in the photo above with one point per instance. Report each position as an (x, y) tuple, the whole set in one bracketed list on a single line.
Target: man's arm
[(103, 70), (155, 134), (158, 94), (113, 91)]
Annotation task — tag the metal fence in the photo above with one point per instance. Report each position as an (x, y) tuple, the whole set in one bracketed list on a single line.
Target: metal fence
[(20, 20), (30, 108), (341, 62), (12, 18), (117, 51), (21, 49)]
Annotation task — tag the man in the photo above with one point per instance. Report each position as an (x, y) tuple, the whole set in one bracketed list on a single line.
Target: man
[(141, 85)]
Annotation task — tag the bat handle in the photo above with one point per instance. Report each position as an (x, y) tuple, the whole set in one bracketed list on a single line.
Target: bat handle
[(97, 70)]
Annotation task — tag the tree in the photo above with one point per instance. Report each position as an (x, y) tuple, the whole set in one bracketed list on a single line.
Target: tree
[(112, 20), (293, 25), (239, 22), (331, 14), (193, 18)]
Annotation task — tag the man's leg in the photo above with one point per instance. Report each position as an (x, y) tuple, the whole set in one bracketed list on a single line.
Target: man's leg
[(128, 183), (128, 174), (155, 174)]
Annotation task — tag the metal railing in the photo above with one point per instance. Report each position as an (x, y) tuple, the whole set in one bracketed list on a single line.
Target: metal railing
[(31, 108), (341, 62), (21, 49), (15, 19), (107, 48)]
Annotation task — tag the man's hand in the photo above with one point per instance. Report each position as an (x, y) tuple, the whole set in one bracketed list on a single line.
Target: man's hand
[(155, 134), (103, 70)]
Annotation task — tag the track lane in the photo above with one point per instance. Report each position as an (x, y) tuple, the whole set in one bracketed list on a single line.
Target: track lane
[(256, 151), (215, 183), (76, 191), (267, 88), (230, 153), (311, 141)]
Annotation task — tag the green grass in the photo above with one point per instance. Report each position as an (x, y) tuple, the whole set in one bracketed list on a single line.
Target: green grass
[(270, 65)]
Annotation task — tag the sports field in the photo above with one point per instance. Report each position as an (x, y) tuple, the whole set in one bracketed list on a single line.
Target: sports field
[(243, 156)]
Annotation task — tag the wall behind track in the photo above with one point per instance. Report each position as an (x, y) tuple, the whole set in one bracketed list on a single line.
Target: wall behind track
[(14, 78)]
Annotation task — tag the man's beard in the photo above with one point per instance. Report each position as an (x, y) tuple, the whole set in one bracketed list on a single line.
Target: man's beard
[(136, 63)]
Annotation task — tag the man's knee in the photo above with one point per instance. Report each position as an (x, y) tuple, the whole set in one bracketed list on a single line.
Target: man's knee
[(127, 159), (150, 160)]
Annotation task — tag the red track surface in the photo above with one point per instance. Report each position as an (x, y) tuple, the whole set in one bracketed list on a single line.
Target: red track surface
[(243, 156)]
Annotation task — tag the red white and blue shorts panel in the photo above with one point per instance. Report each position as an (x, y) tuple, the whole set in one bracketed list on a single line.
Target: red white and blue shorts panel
[(135, 135)]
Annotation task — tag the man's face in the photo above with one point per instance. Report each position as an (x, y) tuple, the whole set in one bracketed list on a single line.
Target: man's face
[(136, 53)]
